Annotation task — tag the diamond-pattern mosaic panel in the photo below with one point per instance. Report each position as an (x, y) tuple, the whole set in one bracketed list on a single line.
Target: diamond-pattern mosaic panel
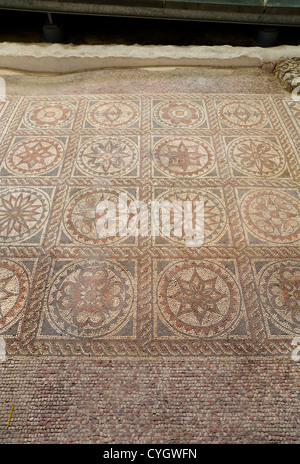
[(67, 290)]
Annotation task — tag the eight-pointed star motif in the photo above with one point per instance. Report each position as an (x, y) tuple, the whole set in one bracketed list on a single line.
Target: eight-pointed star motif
[(106, 155), (198, 296), (182, 156), (257, 156), (34, 155)]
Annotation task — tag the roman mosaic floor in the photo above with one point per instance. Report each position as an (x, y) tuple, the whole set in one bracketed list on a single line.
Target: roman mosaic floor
[(75, 301)]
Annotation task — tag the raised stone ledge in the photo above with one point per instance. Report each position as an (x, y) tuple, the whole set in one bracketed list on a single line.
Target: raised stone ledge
[(60, 58)]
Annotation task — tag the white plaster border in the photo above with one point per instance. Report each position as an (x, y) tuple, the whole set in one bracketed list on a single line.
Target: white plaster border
[(61, 58)]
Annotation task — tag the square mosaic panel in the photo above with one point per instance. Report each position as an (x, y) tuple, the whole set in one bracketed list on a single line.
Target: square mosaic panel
[(34, 156), (104, 113), (66, 289), (48, 115), (71, 306), (242, 113), (108, 156)]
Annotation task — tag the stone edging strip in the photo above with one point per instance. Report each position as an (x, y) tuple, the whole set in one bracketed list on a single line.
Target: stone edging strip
[(60, 58)]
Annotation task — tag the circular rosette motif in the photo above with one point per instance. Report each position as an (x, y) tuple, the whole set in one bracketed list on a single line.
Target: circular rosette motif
[(199, 298), (179, 114), (256, 156), (280, 294), (184, 156), (272, 216), (104, 156), (34, 156), (113, 114), (172, 210), (90, 299), (83, 216), (50, 115), (14, 288), (22, 213), (242, 114)]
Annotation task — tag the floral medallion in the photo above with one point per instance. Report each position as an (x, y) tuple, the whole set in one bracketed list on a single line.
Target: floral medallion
[(90, 299), (185, 157), (178, 114), (82, 216), (116, 114), (22, 213), (272, 216), (280, 294), (34, 156), (256, 156), (108, 156), (242, 114), (14, 287), (49, 115), (198, 298)]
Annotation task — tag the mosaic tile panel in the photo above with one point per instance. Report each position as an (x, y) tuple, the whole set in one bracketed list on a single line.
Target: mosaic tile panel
[(65, 290)]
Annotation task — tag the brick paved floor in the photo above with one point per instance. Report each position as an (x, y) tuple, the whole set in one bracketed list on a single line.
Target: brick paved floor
[(134, 338)]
